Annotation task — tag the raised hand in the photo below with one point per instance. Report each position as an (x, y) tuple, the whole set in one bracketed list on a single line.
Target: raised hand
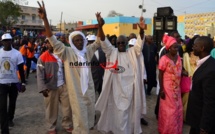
[(141, 23), (100, 20), (41, 10), (22, 89), (45, 93)]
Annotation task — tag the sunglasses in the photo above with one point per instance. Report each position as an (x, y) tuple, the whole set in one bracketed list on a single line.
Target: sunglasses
[(123, 43)]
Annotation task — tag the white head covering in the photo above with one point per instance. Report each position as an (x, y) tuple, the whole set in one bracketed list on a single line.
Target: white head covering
[(78, 52), (6, 36), (81, 58), (91, 37), (132, 41)]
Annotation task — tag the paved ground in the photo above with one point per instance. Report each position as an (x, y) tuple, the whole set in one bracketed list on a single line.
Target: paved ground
[(29, 117)]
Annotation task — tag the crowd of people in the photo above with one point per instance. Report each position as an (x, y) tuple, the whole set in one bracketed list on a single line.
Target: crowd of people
[(117, 86)]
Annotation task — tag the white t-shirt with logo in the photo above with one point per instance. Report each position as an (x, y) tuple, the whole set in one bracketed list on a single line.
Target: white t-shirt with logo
[(8, 65)]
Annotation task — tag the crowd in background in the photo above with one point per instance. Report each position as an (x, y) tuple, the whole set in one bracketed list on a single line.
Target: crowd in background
[(187, 60)]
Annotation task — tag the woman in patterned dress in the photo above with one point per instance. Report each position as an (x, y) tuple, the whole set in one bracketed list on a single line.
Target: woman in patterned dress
[(170, 119)]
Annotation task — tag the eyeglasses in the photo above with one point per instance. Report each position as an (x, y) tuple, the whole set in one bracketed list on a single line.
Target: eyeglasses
[(123, 43)]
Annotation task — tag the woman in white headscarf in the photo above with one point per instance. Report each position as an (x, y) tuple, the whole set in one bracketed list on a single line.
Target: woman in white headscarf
[(78, 76)]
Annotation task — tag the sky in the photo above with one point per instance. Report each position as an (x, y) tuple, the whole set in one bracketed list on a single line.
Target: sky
[(82, 10)]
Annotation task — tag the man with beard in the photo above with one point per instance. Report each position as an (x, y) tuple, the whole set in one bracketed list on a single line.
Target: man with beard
[(200, 108), (78, 79)]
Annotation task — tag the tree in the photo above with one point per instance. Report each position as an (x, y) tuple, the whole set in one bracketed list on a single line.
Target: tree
[(9, 13), (113, 13)]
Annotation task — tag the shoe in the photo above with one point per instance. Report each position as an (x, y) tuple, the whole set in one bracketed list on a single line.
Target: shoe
[(52, 132), (11, 124), (143, 122), (69, 130)]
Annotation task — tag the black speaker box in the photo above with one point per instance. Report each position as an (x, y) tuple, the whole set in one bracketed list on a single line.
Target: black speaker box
[(158, 23), (164, 11), (171, 23)]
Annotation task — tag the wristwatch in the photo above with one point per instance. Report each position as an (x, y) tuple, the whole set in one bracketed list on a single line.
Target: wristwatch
[(23, 84)]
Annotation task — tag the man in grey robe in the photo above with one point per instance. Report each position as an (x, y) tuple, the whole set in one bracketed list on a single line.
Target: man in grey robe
[(78, 77)]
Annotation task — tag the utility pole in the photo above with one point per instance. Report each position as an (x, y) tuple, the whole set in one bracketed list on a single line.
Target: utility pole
[(142, 9), (61, 21)]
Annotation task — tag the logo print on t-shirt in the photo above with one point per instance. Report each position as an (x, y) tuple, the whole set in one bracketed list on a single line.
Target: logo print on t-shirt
[(7, 68)]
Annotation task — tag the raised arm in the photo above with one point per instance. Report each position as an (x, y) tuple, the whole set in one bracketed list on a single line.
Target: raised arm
[(101, 22), (107, 47), (59, 47), (42, 14), (141, 37), (97, 43)]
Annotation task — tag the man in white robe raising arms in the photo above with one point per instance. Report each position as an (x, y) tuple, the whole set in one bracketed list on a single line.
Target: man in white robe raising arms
[(121, 100), (78, 79)]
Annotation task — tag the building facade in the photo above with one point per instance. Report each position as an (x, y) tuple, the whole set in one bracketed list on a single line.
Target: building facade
[(119, 25), (66, 28), (29, 20), (202, 24)]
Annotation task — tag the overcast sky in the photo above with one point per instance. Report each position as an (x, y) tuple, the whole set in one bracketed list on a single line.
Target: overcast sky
[(74, 10)]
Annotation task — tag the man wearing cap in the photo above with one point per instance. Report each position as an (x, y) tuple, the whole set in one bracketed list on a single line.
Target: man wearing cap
[(97, 71), (90, 39), (132, 42), (10, 58)]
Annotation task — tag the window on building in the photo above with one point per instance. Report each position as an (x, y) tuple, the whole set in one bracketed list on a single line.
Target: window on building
[(23, 17), (134, 26), (33, 17)]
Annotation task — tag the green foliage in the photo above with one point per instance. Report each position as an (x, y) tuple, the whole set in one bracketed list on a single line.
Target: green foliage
[(9, 12)]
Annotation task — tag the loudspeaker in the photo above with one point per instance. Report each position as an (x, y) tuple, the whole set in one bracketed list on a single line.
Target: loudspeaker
[(158, 36), (158, 23), (171, 23), (164, 11)]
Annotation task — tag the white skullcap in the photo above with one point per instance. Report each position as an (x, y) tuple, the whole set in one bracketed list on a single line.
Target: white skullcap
[(91, 37), (132, 41), (6, 36)]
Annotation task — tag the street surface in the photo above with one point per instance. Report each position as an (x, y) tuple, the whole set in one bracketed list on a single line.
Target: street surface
[(30, 113)]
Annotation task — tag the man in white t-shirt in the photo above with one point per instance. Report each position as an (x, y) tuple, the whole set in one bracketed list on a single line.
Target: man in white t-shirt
[(10, 58), (50, 80)]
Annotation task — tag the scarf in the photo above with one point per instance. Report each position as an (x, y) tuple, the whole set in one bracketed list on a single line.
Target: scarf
[(81, 58), (168, 41)]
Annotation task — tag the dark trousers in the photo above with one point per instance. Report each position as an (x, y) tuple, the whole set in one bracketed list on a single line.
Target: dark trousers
[(7, 113), (194, 130), (28, 64), (157, 106), (149, 89)]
